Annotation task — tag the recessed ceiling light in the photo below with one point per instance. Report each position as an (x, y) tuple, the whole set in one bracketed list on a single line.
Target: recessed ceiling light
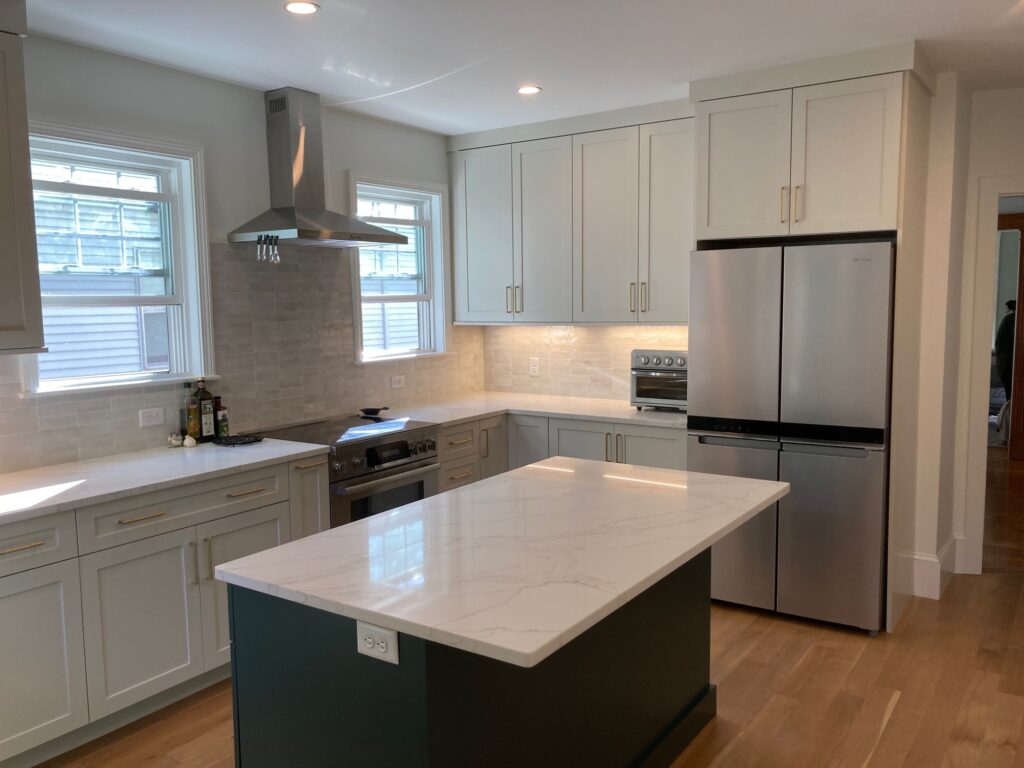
[(302, 9), (529, 90)]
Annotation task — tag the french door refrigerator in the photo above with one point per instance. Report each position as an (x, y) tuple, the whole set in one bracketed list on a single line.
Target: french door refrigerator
[(789, 379)]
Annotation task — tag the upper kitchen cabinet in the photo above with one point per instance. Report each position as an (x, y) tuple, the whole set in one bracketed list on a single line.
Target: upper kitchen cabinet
[(818, 159), (542, 230), (606, 204), (483, 235), (743, 146), (846, 155), (666, 220), (21, 319)]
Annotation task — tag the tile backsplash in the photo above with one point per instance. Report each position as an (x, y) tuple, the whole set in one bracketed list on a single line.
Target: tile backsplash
[(578, 360)]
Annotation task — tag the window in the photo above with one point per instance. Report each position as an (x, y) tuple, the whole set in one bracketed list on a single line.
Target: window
[(116, 230), (399, 299)]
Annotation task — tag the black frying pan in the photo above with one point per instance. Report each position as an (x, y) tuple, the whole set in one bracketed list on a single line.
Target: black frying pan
[(372, 411)]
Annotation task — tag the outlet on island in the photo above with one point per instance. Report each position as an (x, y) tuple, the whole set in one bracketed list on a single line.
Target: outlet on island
[(378, 642)]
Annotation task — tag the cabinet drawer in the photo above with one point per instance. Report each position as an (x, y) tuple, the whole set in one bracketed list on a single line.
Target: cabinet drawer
[(39, 541), (459, 472), (458, 441), (107, 525)]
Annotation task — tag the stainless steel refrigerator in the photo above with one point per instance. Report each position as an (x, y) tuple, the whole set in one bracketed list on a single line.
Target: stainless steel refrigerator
[(789, 376)]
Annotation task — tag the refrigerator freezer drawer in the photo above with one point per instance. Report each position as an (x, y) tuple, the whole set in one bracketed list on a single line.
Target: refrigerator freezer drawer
[(743, 563), (832, 534)]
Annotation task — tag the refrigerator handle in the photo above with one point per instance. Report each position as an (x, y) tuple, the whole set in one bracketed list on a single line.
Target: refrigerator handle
[(753, 443), (846, 452)]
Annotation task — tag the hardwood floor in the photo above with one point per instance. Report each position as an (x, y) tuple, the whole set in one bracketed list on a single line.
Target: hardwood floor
[(1004, 513), (945, 689)]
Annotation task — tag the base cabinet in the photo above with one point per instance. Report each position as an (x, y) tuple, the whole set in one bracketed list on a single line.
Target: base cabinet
[(527, 440), (223, 541), (579, 439), (493, 446), (663, 447), (42, 657), (141, 611), (309, 497)]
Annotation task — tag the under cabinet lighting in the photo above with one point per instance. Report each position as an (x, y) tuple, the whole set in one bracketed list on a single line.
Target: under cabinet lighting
[(302, 9), (529, 90)]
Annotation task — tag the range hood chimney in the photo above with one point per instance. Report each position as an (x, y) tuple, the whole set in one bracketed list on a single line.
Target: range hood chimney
[(295, 152)]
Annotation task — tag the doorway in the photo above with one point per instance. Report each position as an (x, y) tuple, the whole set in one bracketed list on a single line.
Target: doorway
[(1004, 481)]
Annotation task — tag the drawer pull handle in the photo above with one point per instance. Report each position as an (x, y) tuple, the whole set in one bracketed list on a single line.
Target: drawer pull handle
[(21, 547), (463, 476), (130, 520), (311, 464), (209, 559), (250, 492), (463, 441)]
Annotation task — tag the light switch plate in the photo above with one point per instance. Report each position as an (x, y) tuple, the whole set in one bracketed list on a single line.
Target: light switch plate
[(397, 382), (378, 642), (151, 417)]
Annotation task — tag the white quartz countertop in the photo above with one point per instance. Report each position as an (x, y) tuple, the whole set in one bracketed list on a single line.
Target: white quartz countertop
[(515, 566), (40, 491), (483, 404)]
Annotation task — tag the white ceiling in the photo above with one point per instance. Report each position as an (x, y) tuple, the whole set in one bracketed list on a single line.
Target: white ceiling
[(452, 66)]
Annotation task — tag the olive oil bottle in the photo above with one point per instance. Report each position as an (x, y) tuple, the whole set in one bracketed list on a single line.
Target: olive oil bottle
[(207, 421)]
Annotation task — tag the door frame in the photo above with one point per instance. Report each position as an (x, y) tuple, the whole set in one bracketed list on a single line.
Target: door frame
[(975, 369)]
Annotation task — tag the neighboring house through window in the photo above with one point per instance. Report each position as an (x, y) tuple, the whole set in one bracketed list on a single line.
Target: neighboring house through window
[(121, 269), (398, 292)]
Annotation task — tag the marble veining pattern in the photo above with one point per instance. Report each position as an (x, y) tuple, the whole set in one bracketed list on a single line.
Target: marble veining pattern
[(515, 566), (35, 492)]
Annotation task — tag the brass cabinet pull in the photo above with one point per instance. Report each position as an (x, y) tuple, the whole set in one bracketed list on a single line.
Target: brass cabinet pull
[(782, 205), (796, 203), (311, 464), (517, 300), (21, 547), (130, 520), (508, 299), (632, 297), (461, 441), (618, 447), (463, 476), (607, 446), (643, 296), (209, 559), (487, 443), (250, 492), (195, 564)]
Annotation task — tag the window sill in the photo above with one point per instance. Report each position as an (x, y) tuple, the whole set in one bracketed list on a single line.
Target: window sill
[(401, 358), (113, 386)]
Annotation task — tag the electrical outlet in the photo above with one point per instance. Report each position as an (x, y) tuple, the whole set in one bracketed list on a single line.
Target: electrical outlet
[(535, 366), (378, 642), (397, 382), (151, 417)]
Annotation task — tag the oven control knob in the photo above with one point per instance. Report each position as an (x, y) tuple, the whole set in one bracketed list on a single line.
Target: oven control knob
[(338, 466), (357, 461), (430, 444), (668, 362), (644, 360), (680, 361), (657, 360)]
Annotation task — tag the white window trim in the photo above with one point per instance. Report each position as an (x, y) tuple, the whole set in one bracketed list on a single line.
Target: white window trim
[(440, 259), (192, 260)]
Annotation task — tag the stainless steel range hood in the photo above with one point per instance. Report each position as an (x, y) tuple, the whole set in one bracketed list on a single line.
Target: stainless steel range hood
[(295, 152)]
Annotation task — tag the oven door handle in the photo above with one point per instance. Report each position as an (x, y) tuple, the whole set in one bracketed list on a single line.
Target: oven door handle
[(399, 479)]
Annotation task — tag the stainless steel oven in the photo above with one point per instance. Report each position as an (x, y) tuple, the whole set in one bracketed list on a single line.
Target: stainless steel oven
[(378, 492), (658, 379)]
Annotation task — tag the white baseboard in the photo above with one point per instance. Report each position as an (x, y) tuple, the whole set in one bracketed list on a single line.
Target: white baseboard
[(93, 731), (932, 573)]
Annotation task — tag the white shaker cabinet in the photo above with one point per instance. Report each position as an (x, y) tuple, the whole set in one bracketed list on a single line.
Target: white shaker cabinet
[(21, 319), (309, 498), (493, 446), (527, 440), (663, 447), (846, 155), (743, 146), (581, 439), (666, 220), (542, 230), (605, 226), (42, 659), (220, 542), (141, 609), (483, 235)]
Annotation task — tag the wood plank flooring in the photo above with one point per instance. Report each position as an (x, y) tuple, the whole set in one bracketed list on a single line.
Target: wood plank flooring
[(1004, 513)]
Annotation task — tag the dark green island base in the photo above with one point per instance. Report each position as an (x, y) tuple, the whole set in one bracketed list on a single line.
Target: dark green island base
[(633, 690)]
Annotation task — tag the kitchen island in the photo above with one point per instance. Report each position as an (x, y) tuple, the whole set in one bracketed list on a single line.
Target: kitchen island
[(558, 614)]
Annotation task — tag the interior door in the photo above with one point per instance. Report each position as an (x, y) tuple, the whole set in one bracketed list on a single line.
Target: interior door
[(483, 243), (832, 529), (542, 230), (222, 541), (743, 563), (605, 226), (743, 146), (846, 155), (666, 220), (836, 320), (735, 326)]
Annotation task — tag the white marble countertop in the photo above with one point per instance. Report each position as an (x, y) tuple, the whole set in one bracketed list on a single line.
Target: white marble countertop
[(515, 566), (483, 404), (34, 492)]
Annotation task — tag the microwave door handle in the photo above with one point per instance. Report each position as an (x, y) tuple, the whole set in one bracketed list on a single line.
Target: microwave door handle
[(393, 481)]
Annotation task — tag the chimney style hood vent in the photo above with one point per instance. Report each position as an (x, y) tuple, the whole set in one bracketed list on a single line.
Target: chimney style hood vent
[(295, 152)]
